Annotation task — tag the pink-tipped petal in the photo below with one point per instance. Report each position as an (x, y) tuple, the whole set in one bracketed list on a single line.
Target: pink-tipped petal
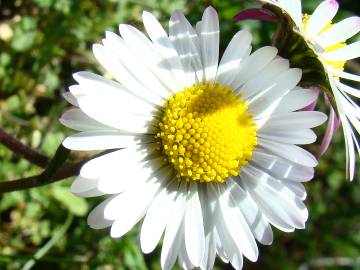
[(337, 122), (333, 125), (312, 105), (322, 15), (327, 100), (259, 14)]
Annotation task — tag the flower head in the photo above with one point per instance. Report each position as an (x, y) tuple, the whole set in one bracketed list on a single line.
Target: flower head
[(204, 153), (328, 41)]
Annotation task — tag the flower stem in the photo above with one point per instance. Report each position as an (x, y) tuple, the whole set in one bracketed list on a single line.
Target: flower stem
[(51, 174), (21, 149)]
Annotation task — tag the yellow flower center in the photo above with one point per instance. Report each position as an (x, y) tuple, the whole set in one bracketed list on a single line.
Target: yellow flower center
[(339, 65), (206, 132)]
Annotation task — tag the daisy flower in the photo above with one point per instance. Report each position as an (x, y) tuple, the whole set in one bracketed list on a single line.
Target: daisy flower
[(205, 154), (328, 41)]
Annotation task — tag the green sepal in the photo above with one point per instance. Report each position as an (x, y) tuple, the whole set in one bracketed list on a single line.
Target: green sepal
[(293, 46)]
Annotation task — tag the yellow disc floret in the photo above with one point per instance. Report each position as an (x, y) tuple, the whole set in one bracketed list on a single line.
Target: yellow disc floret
[(206, 132), (339, 65)]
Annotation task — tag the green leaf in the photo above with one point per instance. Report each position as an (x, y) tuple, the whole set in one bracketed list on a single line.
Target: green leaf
[(75, 205), (13, 103), (52, 81), (44, 3), (24, 34), (63, 6), (5, 59)]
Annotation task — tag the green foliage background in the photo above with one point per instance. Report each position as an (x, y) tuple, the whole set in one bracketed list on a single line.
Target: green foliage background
[(42, 42)]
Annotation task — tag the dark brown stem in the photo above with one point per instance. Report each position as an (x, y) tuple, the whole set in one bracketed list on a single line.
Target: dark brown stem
[(21, 149), (67, 170), (37, 180)]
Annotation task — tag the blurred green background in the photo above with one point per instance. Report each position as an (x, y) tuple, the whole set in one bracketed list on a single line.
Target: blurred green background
[(42, 42)]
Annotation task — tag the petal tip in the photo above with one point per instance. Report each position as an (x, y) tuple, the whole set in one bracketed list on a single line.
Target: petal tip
[(146, 15), (177, 13), (334, 3), (210, 11), (323, 118)]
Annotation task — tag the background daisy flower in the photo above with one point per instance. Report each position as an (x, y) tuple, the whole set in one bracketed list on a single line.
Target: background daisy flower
[(209, 156), (328, 41)]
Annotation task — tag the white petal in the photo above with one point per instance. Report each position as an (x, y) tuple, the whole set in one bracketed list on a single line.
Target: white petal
[(116, 180), (69, 97), (144, 48), (96, 218), (226, 248), (350, 151), (237, 226), (109, 113), (210, 248), (346, 53), (340, 32), (174, 231), (134, 65), (305, 136), (194, 227), (82, 184), (76, 90), (253, 65), (209, 40), (297, 188), (139, 199), (121, 159), (292, 121), (114, 94), (343, 74), (128, 172), (90, 193), (157, 217), (277, 201), (265, 102), (164, 46), (76, 119), (236, 52), (282, 169), (322, 15), (186, 42), (221, 238), (97, 140), (350, 90), (290, 152), (265, 79), (94, 167), (183, 258), (350, 139), (296, 100), (198, 31), (241, 223), (84, 187), (122, 75), (257, 223), (237, 261)]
